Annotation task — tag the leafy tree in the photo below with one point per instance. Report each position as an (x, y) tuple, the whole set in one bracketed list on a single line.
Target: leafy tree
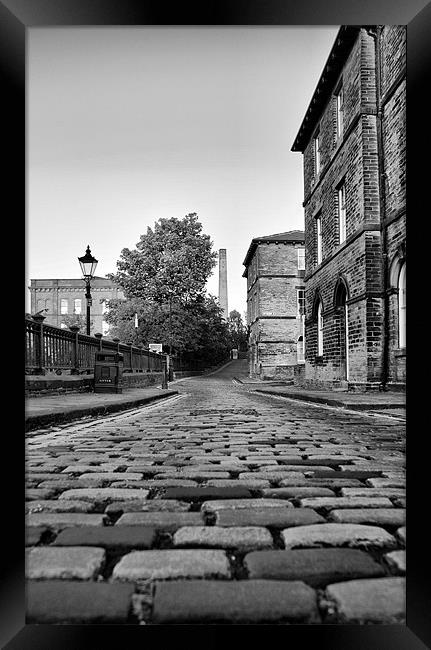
[(164, 283), (174, 260), (237, 330)]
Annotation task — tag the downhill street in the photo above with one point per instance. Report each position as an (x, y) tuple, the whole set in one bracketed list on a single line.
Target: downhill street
[(218, 505)]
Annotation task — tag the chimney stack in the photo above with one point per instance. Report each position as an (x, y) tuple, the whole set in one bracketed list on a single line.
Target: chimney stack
[(222, 282)]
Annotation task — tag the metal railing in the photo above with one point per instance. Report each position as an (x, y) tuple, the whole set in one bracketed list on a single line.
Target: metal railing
[(52, 349)]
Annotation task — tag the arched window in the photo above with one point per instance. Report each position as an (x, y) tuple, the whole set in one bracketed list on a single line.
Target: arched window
[(402, 307), (319, 330), (300, 357)]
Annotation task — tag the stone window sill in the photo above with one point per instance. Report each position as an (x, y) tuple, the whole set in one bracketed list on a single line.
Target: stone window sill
[(401, 352)]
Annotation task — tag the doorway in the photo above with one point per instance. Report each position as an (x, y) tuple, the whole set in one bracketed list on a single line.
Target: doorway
[(342, 312)]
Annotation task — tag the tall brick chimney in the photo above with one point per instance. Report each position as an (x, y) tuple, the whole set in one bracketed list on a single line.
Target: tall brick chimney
[(222, 282)]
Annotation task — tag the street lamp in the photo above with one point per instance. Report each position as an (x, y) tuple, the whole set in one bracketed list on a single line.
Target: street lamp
[(88, 267)]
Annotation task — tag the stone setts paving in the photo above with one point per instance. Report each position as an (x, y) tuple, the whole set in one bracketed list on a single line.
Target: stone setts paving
[(224, 506)]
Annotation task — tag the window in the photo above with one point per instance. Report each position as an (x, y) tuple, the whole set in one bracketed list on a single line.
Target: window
[(319, 239), (316, 153), (77, 306), (339, 107), (341, 207), (64, 306), (300, 301), (300, 357), (319, 330), (104, 305), (402, 307), (301, 259), (105, 327)]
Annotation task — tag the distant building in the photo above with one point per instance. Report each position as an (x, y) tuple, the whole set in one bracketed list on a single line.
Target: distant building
[(274, 268), (354, 145), (65, 298)]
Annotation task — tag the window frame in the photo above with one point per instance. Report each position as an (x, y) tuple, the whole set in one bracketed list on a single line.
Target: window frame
[(301, 258), (319, 243), (298, 302), (77, 300), (316, 153), (64, 303), (339, 111), (341, 212)]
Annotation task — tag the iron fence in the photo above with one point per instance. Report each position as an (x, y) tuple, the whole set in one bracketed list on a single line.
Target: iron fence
[(52, 349)]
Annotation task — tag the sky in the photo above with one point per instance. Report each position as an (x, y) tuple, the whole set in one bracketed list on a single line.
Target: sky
[(126, 125)]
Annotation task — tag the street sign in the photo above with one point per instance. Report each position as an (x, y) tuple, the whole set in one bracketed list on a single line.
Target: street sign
[(155, 347)]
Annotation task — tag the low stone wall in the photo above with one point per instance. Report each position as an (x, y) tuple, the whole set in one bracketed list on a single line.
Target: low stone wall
[(36, 386)]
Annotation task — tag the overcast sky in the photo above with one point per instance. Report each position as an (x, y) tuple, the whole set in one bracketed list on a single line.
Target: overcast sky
[(127, 125)]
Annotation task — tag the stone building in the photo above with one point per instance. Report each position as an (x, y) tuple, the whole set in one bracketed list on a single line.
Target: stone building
[(353, 143), (274, 268), (64, 298)]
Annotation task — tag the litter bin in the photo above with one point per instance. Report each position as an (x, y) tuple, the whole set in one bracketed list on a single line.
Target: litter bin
[(108, 372)]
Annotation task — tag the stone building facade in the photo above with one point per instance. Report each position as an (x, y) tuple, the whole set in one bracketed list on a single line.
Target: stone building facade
[(64, 298), (353, 143), (274, 268)]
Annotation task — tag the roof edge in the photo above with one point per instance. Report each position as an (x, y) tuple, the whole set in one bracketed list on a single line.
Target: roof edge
[(341, 48)]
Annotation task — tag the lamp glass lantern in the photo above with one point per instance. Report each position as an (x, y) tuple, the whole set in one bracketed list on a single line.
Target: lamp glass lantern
[(88, 264)]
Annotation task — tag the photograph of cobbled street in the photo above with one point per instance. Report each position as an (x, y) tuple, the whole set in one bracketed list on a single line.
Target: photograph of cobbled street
[(215, 325)]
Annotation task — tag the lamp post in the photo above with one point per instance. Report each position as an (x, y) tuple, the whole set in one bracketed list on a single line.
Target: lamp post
[(88, 267)]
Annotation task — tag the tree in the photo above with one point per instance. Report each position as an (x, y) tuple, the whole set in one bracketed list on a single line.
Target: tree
[(237, 330), (173, 261), (164, 284), (79, 320)]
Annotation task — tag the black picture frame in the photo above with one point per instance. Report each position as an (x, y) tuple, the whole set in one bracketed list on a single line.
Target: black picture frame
[(16, 16)]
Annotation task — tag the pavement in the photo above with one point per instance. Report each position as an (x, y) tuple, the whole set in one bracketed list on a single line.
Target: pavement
[(220, 504), (392, 402), (48, 410)]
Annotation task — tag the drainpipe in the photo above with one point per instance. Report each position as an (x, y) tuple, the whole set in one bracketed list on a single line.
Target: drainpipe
[(375, 32)]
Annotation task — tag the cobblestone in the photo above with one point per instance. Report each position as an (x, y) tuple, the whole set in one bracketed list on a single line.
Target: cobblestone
[(345, 502), (294, 455), (352, 535), (77, 602), (380, 600), (201, 601), (140, 565), (63, 519), (297, 492), (401, 535), (316, 567), (272, 517), (373, 516), (242, 538), (104, 494), (169, 521), (397, 560), (75, 563), (118, 537), (59, 506), (143, 505), (235, 504)]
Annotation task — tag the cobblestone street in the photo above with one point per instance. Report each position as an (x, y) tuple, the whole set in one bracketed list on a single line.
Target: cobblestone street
[(218, 505)]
